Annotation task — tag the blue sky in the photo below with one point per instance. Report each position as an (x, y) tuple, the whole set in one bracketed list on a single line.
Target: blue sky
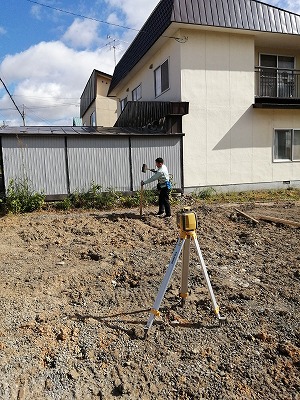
[(47, 56)]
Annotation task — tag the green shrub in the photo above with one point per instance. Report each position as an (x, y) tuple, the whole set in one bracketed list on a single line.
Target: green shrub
[(95, 197), (20, 198), (64, 204), (129, 201), (204, 194)]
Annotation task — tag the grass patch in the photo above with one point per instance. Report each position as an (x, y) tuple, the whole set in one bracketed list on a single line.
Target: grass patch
[(211, 196)]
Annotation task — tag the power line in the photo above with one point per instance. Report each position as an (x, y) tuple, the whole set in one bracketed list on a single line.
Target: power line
[(82, 16), (178, 39)]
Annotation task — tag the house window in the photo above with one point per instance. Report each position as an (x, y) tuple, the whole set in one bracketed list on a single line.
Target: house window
[(287, 145), (277, 77), (137, 93), (93, 119), (123, 103), (161, 78)]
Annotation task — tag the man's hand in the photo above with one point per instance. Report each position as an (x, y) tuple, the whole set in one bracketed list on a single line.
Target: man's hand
[(142, 183)]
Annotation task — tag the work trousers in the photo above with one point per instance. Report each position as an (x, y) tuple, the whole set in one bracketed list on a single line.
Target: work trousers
[(164, 201)]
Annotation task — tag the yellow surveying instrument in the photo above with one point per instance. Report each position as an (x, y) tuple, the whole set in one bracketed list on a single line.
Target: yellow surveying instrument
[(187, 223)]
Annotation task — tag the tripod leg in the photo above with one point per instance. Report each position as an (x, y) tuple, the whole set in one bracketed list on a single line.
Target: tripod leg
[(165, 282), (212, 296), (185, 270)]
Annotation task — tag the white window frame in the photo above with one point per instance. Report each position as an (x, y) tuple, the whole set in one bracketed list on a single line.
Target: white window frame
[(137, 93), (159, 86), (294, 135)]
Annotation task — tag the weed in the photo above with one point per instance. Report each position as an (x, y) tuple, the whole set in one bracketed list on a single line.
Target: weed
[(64, 204), (203, 194), (20, 197)]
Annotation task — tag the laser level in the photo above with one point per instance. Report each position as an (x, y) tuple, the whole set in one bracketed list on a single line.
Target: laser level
[(187, 223)]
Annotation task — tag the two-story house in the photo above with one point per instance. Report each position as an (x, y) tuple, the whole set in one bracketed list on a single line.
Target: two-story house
[(236, 63)]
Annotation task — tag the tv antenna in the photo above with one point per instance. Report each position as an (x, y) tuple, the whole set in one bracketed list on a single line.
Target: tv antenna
[(113, 45)]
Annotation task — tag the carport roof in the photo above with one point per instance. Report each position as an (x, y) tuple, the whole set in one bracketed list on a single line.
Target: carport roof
[(78, 130)]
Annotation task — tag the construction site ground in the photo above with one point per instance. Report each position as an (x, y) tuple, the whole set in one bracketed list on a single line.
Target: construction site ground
[(76, 290)]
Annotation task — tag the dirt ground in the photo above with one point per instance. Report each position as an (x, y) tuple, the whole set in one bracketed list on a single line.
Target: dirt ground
[(76, 288)]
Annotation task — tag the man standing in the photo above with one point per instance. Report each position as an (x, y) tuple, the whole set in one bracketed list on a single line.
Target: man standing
[(163, 186)]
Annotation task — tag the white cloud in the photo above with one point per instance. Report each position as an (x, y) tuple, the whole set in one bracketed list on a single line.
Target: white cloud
[(82, 33), (2, 31), (290, 5), (49, 79), (36, 11), (293, 5), (135, 12)]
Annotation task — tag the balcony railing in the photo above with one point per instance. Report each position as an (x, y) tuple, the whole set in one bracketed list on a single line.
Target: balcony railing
[(280, 83)]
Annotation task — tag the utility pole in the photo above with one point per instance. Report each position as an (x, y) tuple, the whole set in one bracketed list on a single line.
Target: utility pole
[(22, 114)]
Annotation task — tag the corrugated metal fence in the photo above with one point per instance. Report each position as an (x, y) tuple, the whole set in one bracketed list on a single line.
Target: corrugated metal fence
[(57, 165)]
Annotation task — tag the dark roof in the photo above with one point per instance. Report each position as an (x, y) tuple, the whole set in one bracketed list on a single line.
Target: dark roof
[(238, 14), (76, 131), (90, 91)]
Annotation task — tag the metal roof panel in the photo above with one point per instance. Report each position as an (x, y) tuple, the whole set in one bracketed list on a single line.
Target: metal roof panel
[(250, 15)]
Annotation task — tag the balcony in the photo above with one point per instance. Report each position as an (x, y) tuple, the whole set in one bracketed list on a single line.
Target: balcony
[(158, 116), (277, 88)]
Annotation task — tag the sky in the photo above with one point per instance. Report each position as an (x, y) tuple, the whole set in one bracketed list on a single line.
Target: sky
[(49, 48)]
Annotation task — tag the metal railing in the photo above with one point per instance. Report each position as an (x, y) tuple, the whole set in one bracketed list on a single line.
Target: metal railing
[(277, 82)]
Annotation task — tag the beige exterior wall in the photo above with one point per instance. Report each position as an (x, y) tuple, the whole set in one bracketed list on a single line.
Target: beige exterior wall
[(105, 107), (227, 141), (145, 76), (106, 113)]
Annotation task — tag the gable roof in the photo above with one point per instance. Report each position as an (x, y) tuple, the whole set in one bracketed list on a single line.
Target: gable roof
[(250, 15)]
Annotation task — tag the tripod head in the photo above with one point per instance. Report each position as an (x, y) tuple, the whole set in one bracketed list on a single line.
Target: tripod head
[(186, 220)]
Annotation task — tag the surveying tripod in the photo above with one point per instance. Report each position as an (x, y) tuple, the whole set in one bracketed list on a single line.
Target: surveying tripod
[(187, 223)]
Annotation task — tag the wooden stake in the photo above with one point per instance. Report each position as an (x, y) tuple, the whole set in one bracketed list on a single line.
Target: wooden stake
[(279, 221), (246, 216), (141, 200)]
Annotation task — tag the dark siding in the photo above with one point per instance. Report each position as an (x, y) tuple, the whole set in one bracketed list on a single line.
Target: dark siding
[(266, 17), (277, 20), (202, 12), (261, 17), (227, 16), (219, 5), (297, 20), (239, 14), (245, 22), (196, 12), (293, 23), (184, 12), (288, 21), (272, 20), (89, 94), (255, 16), (209, 16), (250, 15), (232, 14), (214, 11), (153, 28), (283, 22)]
